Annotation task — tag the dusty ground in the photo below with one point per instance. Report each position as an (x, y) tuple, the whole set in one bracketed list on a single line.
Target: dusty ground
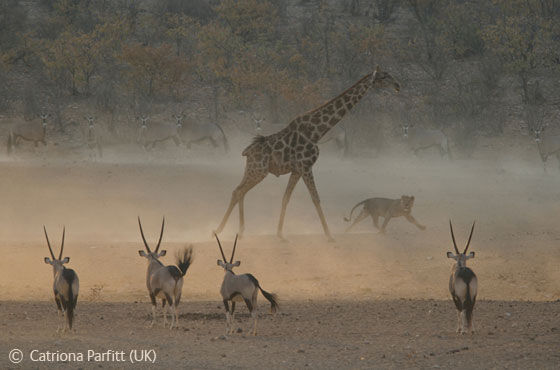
[(366, 301)]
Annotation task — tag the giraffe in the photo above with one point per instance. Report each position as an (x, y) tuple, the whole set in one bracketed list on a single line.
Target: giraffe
[(294, 149)]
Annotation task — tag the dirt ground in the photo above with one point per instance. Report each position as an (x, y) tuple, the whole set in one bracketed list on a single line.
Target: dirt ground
[(366, 301)]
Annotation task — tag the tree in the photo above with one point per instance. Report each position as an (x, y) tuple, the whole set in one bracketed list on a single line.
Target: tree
[(429, 50), (217, 48), (73, 59), (251, 20), (150, 70), (524, 37)]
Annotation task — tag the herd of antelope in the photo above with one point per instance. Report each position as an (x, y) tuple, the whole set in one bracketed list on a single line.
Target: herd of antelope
[(163, 282), (166, 283), (150, 135)]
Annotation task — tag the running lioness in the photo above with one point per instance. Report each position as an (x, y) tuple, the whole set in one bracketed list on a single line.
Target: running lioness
[(386, 208)]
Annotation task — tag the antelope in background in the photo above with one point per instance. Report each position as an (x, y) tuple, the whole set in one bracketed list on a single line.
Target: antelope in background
[(30, 131), (165, 282), (420, 138), (66, 285), (237, 288), (548, 145), (92, 137), (463, 285), (150, 135), (194, 132)]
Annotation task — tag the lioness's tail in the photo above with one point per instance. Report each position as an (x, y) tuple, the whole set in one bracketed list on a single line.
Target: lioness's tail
[(352, 211)]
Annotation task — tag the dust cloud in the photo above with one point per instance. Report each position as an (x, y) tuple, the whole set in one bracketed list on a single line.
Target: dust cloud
[(504, 188)]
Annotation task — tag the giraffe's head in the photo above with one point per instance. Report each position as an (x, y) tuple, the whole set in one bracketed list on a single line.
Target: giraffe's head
[(384, 79)]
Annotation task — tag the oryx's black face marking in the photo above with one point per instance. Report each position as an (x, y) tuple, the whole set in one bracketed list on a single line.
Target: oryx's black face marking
[(537, 132), (143, 121), (405, 128), (228, 266), (179, 121), (44, 119), (460, 258), (155, 255), (57, 263)]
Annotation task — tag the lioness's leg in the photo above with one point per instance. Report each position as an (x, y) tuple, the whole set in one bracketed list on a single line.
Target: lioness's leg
[(386, 220), (360, 217), (413, 220), (375, 219)]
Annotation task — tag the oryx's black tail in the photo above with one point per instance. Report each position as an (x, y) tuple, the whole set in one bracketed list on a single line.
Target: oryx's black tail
[(271, 297), (185, 259)]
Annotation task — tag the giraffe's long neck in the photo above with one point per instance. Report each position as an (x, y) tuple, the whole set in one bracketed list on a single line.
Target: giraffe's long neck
[(325, 117)]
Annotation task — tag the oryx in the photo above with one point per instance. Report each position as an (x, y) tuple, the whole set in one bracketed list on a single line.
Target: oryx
[(165, 282), (420, 138), (548, 144), (237, 288), (29, 132), (196, 132), (150, 135), (92, 138), (463, 284), (66, 285)]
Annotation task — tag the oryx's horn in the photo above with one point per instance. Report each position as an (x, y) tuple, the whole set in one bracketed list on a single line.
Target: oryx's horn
[(233, 252), (160, 234), (62, 244), (470, 236), (453, 237), (143, 237), (48, 243), (221, 250)]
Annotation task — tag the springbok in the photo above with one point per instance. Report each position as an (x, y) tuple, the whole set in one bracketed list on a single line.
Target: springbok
[(92, 138), (150, 135), (463, 285), (28, 132), (419, 139), (66, 285), (165, 282), (237, 288), (548, 144), (195, 132)]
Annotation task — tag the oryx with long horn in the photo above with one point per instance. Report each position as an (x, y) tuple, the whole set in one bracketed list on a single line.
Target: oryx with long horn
[(463, 284), (92, 138), (66, 285), (237, 288), (165, 282)]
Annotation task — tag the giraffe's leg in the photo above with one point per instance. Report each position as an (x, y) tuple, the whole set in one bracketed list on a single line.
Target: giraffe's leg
[(249, 181), (294, 178), (310, 183)]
